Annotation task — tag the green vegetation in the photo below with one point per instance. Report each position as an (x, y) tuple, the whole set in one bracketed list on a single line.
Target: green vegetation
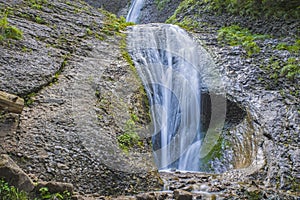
[(29, 99), (8, 192), (7, 31), (188, 24), (183, 6), (257, 8), (126, 56), (216, 152), (46, 195), (160, 4), (39, 20), (291, 68), (294, 48), (129, 138), (279, 68), (36, 4), (235, 35), (113, 24), (253, 8)]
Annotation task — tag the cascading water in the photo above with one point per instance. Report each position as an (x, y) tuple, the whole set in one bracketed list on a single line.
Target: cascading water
[(169, 65), (134, 10), (165, 57)]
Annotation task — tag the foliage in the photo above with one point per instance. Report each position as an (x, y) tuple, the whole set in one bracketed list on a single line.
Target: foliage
[(7, 31), (235, 35), (126, 55), (129, 138), (294, 48), (29, 98), (36, 4), (291, 68), (161, 4), (279, 68), (184, 5), (113, 24), (217, 152), (46, 195), (10, 192), (257, 8), (188, 24)]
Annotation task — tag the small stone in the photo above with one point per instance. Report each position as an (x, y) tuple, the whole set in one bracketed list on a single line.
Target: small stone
[(62, 166), (182, 195), (146, 196)]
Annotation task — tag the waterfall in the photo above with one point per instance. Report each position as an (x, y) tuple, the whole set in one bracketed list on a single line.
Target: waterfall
[(167, 60), (134, 11), (174, 70)]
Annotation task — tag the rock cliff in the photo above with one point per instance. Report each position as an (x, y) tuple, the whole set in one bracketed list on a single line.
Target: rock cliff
[(79, 93)]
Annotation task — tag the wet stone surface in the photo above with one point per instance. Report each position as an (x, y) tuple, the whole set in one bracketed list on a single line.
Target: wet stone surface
[(274, 108), (59, 135)]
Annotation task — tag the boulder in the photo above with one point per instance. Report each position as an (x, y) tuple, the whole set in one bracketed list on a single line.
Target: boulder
[(56, 187), (14, 175)]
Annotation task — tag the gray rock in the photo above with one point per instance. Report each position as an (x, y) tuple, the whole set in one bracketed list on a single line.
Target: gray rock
[(182, 195), (68, 134), (146, 196), (14, 175), (56, 187)]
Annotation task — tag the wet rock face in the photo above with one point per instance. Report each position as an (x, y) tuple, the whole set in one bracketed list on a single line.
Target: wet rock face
[(152, 13), (274, 115), (114, 6), (62, 135), (272, 120), (29, 64)]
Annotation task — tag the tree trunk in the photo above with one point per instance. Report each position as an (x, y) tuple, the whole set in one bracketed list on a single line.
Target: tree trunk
[(11, 103)]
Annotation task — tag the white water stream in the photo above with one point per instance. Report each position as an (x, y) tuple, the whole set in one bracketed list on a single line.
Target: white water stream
[(134, 11), (171, 66)]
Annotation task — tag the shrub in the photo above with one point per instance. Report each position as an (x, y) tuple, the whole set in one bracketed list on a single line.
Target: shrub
[(113, 24), (129, 138), (7, 31), (10, 192), (235, 35)]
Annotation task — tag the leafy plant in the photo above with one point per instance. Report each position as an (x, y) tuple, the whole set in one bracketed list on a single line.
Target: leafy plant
[(188, 24), (294, 48), (10, 192), (36, 4), (39, 20), (7, 31), (279, 68), (235, 35), (183, 6), (257, 8), (46, 195), (130, 138), (161, 4), (113, 24), (291, 69), (29, 98)]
